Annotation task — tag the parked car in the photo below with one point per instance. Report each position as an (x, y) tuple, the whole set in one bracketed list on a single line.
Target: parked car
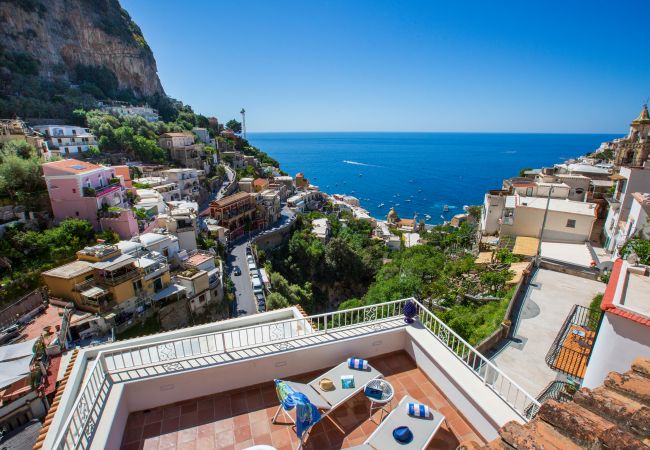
[(236, 270)]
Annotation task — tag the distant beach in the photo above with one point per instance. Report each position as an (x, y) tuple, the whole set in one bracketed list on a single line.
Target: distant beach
[(418, 173)]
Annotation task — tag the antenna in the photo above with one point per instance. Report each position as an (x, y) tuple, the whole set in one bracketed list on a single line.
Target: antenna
[(243, 120)]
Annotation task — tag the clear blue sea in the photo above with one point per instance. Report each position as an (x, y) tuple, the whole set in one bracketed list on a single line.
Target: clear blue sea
[(418, 173)]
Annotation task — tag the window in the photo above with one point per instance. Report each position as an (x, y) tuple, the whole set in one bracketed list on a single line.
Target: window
[(201, 298), (571, 223), (529, 191), (77, 213), (157, 284), (74, 191), (137, 286)]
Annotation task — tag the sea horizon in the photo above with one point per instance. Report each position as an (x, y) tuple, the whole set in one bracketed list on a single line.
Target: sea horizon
[(418, 173)]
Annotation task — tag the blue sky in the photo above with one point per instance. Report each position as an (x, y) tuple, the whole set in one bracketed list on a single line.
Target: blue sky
[(404, 65)]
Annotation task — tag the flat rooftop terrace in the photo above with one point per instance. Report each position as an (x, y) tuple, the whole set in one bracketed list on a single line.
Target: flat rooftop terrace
[(549, 299), (242, 418)]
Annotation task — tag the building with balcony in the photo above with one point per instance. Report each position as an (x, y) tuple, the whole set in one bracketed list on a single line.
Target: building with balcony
[(182, 149), (269, 202), (515, 215), (624, 332), (627, 181), (181, 222), (245, 184), (187, 181), (219, 377), (118, 109), (66, 140), (238, 213), (104, 279), (17, 130), (321, 229), (86, 191)]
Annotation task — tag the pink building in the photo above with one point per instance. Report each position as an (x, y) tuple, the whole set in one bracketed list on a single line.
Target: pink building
[(79, 189)]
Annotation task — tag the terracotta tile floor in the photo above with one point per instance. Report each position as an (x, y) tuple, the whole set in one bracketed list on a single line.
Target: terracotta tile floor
[(242, 418)]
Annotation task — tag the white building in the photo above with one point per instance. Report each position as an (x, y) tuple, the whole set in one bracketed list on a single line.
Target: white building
[(151, 201), (146, 112), (628, 181), (636, 224), (321, 229), (66, 140), (514, 215), (187, 181), (624, 333)]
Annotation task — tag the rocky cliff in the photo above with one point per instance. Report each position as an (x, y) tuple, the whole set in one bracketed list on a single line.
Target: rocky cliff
[(60, 36)]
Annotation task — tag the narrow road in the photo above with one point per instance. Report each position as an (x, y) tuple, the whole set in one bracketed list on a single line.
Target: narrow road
[(246, 303)]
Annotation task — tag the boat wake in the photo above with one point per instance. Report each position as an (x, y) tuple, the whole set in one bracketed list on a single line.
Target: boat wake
[(355, 163)]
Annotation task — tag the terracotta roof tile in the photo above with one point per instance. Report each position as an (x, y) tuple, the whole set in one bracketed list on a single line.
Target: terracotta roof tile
[(55, 404), (615, 415)]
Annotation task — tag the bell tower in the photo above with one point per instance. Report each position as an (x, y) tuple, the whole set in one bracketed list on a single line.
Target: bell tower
[(635, 148)]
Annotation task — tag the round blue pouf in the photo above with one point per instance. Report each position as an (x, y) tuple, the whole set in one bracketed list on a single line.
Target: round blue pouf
[(410, 310)]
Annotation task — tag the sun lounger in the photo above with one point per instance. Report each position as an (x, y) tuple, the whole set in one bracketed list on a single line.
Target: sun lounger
[(423, 429)]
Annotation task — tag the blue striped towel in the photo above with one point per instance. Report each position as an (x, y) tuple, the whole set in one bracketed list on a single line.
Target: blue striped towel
[(417, 410), (357, 363)]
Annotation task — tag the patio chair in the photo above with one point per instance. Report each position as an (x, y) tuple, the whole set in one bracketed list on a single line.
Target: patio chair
[(423, 429), (328, 401)]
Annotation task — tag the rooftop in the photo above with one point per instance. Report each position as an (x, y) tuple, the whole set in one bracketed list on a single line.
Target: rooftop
[(69, 167), (225, 201), (70, 270), (242, 417), (185, 371), (199, 258), (628, 292), (547, 302), (559, 205)]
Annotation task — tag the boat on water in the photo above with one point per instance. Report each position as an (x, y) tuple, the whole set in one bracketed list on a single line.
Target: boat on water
[(419, 190), (381, 205), (408, 200), (396, 204), (360, 174), (427, 216), (445, 208)]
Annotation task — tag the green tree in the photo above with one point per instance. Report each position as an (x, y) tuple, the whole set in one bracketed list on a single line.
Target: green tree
[(234, 125), (639, 246), (20, 170), (275, 300)]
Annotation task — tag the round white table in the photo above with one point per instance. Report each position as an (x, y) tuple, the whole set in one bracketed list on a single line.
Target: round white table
[(384, 403)]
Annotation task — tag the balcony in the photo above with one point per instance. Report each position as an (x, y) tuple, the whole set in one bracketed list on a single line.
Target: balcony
[(114, 279), (102, 190), (571, 348), (205, 368)]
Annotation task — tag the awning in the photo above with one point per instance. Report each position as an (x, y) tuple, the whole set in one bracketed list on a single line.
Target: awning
[(168, 291), (525, 246), (19, 350), (114, 263), (617, 177), (93, 292)]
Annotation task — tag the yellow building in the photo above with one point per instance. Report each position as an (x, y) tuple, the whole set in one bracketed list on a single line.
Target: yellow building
[(103, 278)]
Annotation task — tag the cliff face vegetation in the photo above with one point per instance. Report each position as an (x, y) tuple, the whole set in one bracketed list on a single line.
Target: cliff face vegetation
[(71, 52)]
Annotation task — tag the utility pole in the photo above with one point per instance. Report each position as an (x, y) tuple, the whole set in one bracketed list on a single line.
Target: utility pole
[(243, 122), (538, 257)]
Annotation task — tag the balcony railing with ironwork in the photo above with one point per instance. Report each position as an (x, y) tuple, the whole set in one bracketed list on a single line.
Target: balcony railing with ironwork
[(191, 353), (119, 279), (571, 349)]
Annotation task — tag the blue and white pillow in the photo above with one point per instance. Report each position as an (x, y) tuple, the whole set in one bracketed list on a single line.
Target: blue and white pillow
[(357, 363), (417, 410)]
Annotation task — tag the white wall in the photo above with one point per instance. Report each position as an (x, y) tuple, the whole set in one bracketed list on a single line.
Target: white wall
[(620, 341), (528, 222), (492, 212)]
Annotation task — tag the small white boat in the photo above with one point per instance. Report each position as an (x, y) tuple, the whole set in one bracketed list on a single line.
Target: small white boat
[(396, 204), (408, 200), (381, 205), (427, 216), (445, 208)]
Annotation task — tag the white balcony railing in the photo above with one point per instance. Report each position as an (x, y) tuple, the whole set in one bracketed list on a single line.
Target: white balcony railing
[(189, 353)]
